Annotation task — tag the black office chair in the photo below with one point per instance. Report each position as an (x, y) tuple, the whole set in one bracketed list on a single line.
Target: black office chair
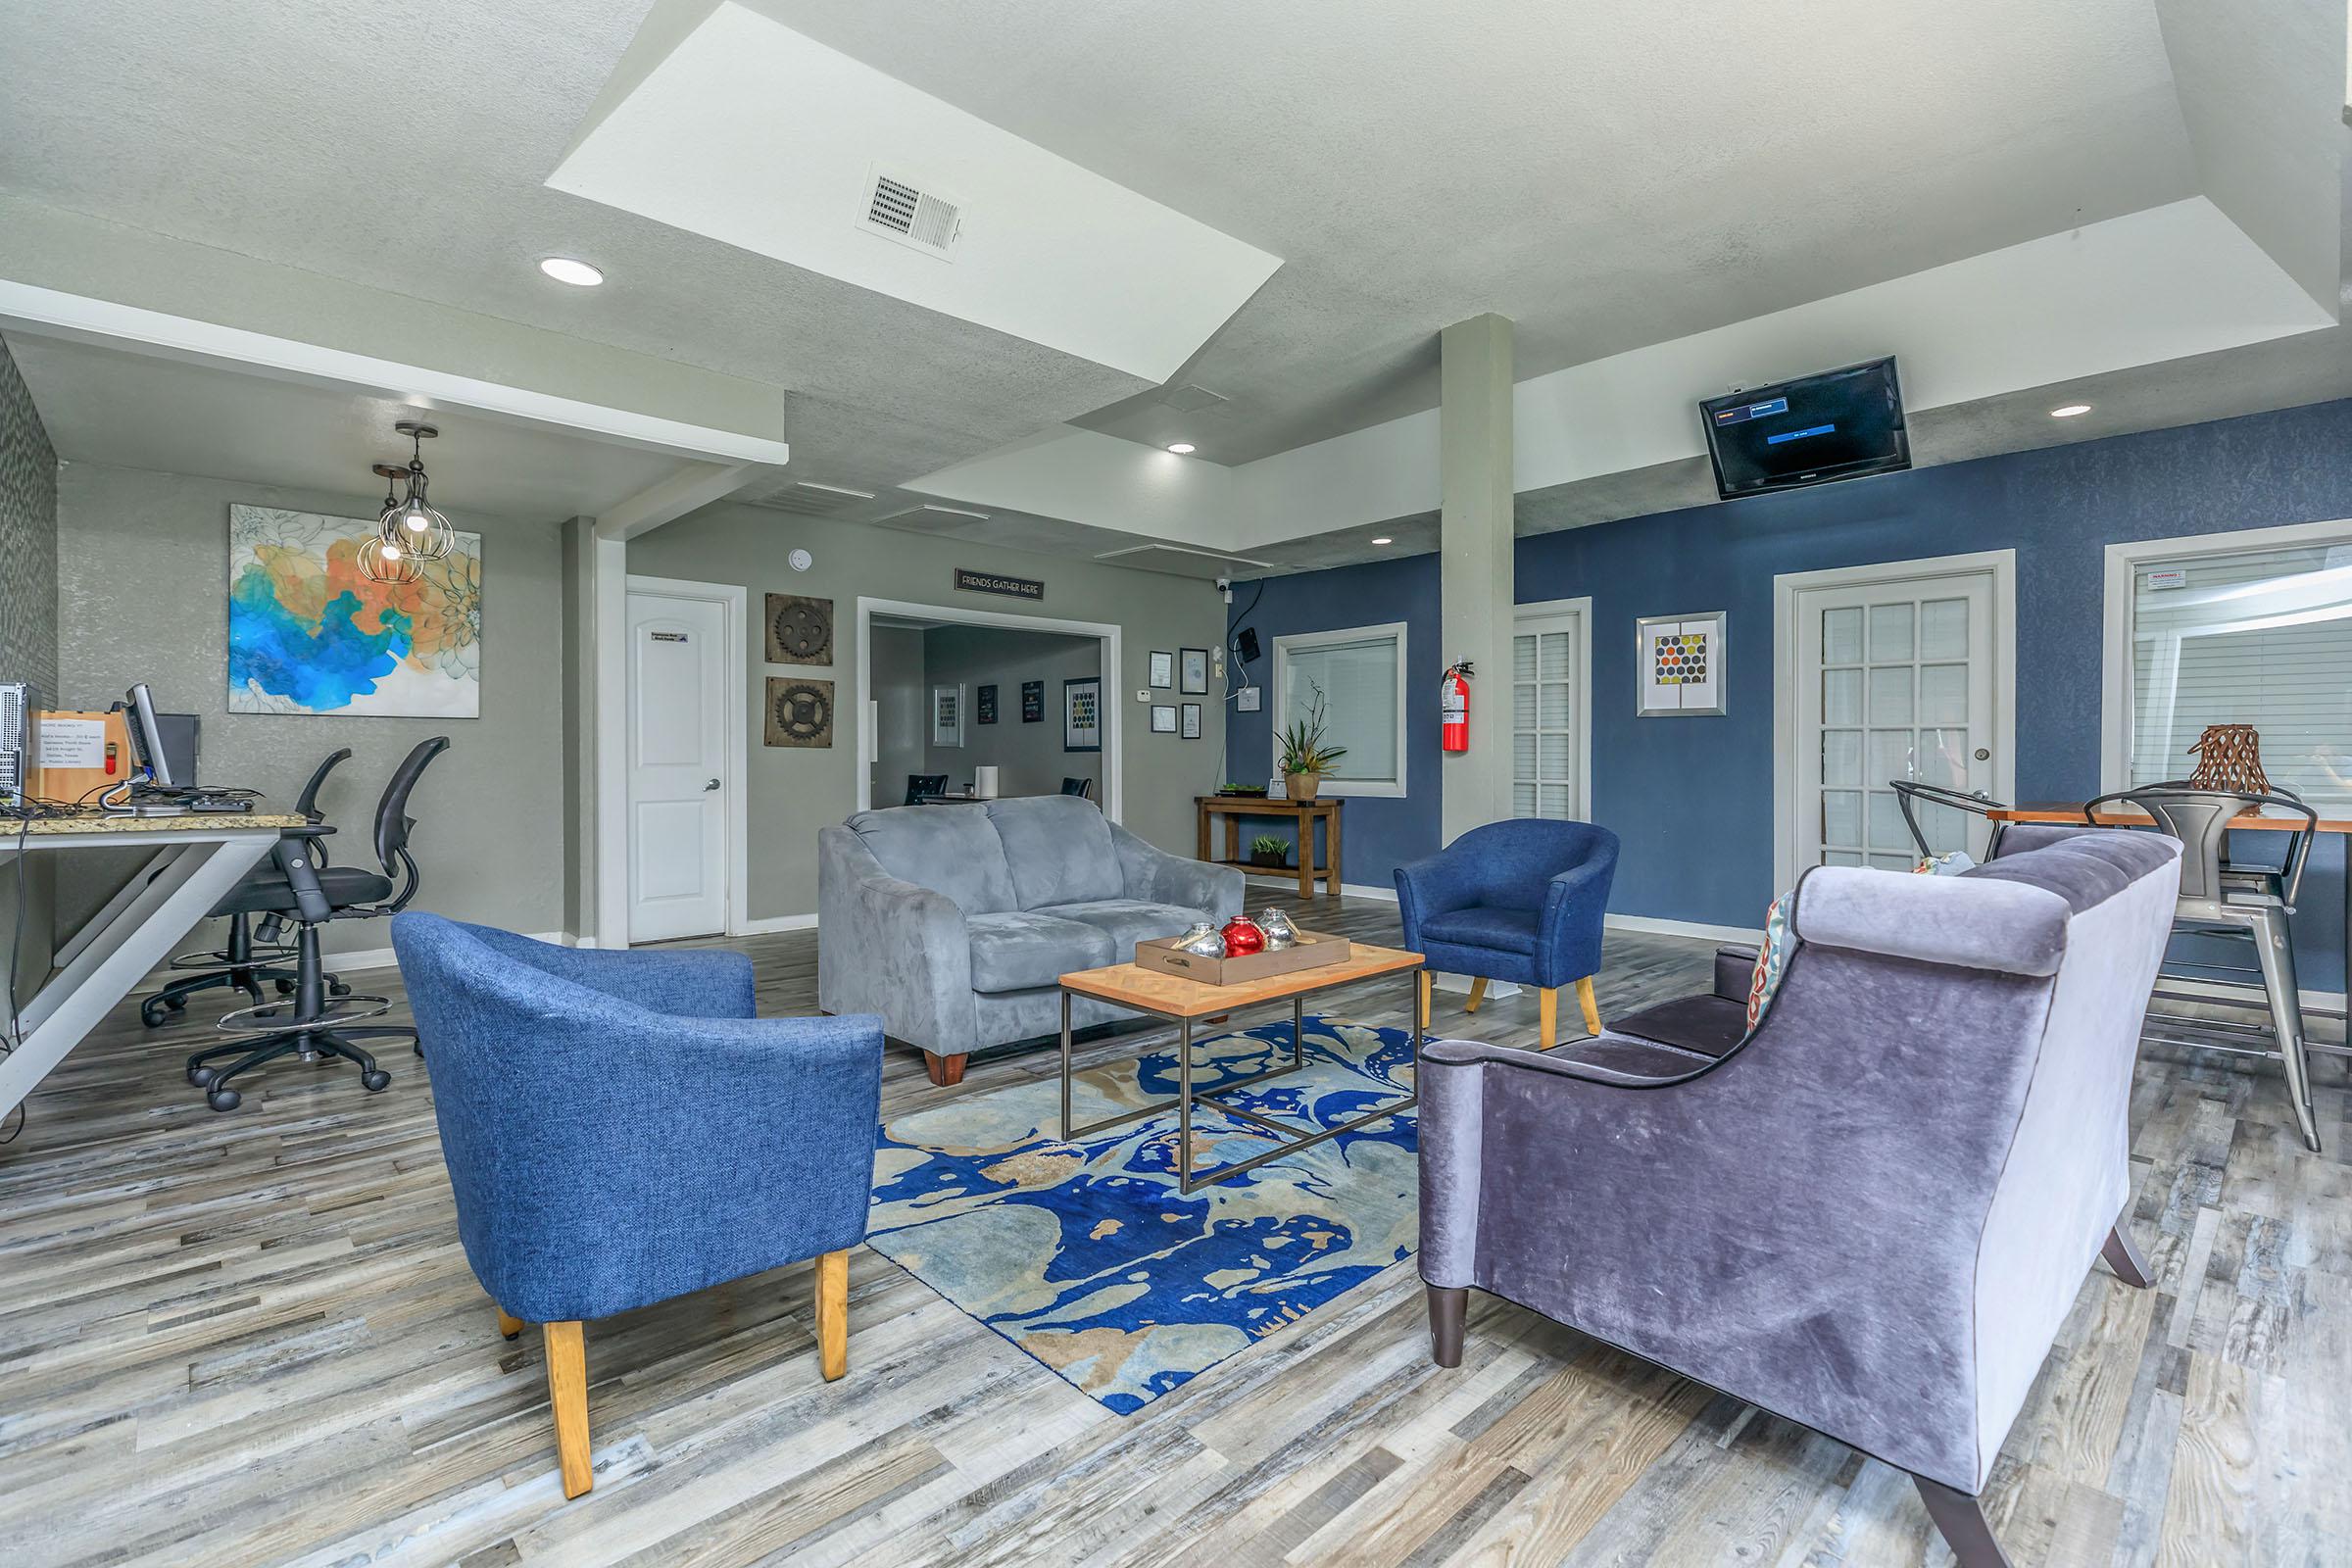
[(922, 786), (310, 895), (1083, 788), (242, 966)]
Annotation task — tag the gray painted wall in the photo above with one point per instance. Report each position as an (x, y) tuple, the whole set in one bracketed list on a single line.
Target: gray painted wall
[(898, 687), (143, 569), (28, 635), (1029, 757), (795, 791)]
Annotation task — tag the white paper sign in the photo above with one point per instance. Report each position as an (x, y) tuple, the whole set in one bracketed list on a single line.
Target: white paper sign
[(72, 743)]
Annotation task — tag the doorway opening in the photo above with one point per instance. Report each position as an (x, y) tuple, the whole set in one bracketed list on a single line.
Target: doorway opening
[(961, 704)]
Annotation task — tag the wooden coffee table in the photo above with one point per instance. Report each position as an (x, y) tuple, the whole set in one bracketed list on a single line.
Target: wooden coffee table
[(1185, 1003)]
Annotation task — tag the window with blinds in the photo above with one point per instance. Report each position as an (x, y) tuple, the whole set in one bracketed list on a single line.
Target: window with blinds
[(1544, 721), (2254, 637), (1359, 676)]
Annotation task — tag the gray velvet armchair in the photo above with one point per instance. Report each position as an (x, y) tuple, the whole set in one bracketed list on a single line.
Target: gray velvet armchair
[(1871, 1215)]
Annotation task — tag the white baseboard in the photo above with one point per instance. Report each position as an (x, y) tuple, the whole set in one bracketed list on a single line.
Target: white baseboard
[(1347, 890), (776, 922), (1654, 926), (1496, 990), (359, 960)]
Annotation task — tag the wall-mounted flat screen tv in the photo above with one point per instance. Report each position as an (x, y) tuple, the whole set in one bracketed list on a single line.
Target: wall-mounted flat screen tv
[(1838, 424)]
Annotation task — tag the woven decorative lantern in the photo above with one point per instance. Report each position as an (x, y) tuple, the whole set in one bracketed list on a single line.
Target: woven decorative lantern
[(2230, 760)]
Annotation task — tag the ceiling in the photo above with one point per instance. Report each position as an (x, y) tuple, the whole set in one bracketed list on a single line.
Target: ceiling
[(135, 410), (1607, 177)]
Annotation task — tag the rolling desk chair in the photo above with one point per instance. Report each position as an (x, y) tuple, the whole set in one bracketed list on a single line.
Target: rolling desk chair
[(241, 966), (920, 785), (310, 894), (1083, 788)]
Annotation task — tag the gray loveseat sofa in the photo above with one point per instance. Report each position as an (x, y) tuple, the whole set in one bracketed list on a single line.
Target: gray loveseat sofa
[(956, 923), (1871, 1216)]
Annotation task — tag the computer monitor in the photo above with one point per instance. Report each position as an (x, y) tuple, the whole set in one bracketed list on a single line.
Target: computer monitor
[(181, 733), (147, 737)]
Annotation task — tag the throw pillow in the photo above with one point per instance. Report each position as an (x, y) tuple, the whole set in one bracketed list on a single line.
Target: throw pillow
[(1772, 959)]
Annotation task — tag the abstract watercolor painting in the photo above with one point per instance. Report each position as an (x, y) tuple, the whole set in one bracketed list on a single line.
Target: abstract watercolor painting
[(309, 634)]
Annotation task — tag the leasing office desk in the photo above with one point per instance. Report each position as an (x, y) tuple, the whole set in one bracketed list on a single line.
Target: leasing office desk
[(197, 860)]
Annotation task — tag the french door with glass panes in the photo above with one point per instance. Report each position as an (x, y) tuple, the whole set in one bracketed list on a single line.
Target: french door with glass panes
[(1895, 679), (1546, 717)]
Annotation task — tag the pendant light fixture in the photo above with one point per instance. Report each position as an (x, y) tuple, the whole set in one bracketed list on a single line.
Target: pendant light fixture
[(413, 526), (381, 558)]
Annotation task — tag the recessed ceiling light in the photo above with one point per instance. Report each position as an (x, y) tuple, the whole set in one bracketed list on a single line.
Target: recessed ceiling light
[(563, 270), (2070, 411), (1180, 448), (1384, 540)]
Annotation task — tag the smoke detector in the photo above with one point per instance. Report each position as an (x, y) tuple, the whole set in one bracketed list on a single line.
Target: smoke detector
[(908, 212)]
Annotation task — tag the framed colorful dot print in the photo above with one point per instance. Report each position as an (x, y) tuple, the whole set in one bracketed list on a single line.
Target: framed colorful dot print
[(1679, 661)]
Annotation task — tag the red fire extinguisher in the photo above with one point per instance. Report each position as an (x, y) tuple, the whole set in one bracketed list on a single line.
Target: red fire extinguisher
[(1453, 706)]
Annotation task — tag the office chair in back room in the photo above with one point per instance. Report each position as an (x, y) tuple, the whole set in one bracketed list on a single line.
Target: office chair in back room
[(240, 965), (310, 894), (921, 786)]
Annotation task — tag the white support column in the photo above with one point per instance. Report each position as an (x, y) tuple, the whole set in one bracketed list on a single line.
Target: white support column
[(1477, 588)]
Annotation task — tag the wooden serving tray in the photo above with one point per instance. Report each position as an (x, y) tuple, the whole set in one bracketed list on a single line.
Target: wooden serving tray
[(1313, 950)]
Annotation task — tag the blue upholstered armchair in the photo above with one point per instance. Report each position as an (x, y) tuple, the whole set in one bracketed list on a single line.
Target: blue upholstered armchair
[(1519, 900), (621, 1129)]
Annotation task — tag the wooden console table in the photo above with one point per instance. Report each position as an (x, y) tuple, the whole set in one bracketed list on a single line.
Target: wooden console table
[(1304, 814)]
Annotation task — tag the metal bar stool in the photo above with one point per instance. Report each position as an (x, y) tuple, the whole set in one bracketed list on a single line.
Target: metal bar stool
[(1974, 802), (2218, 899)]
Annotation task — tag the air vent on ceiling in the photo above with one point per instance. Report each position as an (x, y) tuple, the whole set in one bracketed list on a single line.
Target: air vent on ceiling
[(1182, 561), (811, 500), (898, 209), (1187, 398), (929, 518)]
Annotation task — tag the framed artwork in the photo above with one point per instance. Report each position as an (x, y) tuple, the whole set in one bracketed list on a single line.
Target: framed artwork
[(947, 716), (1164, 670), (1190, 729), (1679, 662), (984, 706), (309, 634), (1195, 672), (1082, 715), (1163, 719), (800, 630), (1033, 701), (799, 713)]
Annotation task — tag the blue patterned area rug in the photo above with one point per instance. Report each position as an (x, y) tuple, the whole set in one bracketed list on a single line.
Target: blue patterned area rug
[(1087, 1256)]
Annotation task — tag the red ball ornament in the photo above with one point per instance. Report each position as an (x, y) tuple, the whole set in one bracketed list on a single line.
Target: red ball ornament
[(1243, 935)]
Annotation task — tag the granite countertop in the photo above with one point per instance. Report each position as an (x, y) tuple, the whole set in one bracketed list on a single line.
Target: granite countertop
[(95, 823)]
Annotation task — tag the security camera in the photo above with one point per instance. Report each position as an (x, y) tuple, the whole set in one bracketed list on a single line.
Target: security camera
[(1224, 585)]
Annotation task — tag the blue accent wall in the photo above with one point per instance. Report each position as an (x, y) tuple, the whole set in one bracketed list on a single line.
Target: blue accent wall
[(1691, 799), (1377, 834)]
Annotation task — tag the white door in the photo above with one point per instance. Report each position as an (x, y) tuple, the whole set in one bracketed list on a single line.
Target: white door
[(1894, 680), (677, 767), (1546, 771)]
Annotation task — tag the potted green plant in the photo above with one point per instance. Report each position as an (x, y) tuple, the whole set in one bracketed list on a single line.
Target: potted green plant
[(1307, 755), (1268, 850)]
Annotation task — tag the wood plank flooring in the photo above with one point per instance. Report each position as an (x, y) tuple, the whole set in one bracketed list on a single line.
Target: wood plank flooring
[(252, 1339)]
